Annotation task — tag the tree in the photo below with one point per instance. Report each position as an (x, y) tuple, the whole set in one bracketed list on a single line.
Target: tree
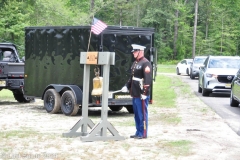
[(195, 29), (54, 12), (13, 19), (175, 32)]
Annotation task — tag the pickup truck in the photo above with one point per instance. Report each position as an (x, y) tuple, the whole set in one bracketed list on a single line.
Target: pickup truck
[(12, 72)]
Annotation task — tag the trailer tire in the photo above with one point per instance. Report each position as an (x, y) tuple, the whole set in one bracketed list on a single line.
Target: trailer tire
[(20, 98), (68, 104), (115, 108), (130, 109), (52, 101)]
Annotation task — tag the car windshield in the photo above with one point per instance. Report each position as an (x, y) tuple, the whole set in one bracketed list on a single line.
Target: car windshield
[(199, 60), (224, 63)]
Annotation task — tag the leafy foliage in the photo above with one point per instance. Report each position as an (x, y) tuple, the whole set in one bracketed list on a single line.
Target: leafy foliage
[(218, 30), (13, 19)]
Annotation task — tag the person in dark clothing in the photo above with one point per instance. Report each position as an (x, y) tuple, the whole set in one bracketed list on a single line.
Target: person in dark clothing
[(139, 85)]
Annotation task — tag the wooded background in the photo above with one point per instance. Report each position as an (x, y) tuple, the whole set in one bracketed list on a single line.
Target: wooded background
[(183, 28)]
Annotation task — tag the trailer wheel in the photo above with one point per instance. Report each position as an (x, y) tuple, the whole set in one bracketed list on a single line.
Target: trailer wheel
[(115, 108), (130, 109), (52, 101), (68, 104), (20, 98)]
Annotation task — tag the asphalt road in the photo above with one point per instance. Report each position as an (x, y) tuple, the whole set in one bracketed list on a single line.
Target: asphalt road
[(220, 103)]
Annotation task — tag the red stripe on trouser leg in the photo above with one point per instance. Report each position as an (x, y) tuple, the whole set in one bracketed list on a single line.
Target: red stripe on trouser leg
[(144, 120)]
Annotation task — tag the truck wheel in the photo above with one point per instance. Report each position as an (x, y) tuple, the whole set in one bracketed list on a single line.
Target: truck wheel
[(52, 101), (130, 109), (68, 104), (115, 108), (20, 98)]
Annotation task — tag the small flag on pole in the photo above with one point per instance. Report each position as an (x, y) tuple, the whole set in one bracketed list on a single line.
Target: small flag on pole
[(98, 26)]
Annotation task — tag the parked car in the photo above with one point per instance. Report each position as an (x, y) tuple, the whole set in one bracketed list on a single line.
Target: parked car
[(217, 73), (235, 90), (194, 68), (183, 67)]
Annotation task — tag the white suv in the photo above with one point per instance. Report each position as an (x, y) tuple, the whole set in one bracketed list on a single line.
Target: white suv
[(217, 73)]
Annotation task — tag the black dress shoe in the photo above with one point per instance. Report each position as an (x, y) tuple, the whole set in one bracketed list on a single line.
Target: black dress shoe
[(133, 136), (138, 137)]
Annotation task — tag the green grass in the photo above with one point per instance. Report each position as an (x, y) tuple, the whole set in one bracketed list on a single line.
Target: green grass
[(164, 95), (18, 133), (166, 68), (179, 148), (6, 94), (163, 92), (170, 118)]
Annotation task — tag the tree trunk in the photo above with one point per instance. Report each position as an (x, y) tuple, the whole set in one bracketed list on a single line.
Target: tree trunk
[(137, 14), (221, 49), (115, 9), (207, 19), (206, 32), (175, 33), (91, 5), (195, 29), (91, 10)]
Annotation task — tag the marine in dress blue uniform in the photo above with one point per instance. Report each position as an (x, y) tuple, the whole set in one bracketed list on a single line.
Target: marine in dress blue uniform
[(139, 86)]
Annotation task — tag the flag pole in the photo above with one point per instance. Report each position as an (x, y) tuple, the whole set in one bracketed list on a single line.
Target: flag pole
[(90, 35), (89, 40)]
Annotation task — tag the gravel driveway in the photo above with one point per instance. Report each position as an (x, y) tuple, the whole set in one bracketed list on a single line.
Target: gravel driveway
[(196, 133)]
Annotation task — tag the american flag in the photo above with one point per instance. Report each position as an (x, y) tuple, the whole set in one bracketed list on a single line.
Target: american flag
[(98, 26)]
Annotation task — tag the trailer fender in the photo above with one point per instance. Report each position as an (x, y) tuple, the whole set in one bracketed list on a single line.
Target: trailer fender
[(62, 88)]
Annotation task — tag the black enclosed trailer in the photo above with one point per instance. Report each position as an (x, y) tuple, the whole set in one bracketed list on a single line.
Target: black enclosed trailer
[(52, 63)]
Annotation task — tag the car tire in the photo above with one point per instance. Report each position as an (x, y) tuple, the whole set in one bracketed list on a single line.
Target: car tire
[(177, 71), (199, 88), (233, 102), (205, 92), (191, 76), (187, 71)]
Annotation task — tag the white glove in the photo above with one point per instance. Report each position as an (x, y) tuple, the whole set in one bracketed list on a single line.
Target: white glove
[(143, 97), (124, 89)]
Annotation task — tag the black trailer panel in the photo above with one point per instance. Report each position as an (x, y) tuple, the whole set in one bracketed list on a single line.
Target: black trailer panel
[(53, 57)]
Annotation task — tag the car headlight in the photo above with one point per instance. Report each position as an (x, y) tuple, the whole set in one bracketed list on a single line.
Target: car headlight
[(209, 75), (195, 67)]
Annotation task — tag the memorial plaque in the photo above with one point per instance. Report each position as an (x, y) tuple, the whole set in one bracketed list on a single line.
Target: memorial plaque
[(92, 57)]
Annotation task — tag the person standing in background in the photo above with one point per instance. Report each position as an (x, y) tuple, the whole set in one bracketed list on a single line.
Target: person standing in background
[(139, 86)]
